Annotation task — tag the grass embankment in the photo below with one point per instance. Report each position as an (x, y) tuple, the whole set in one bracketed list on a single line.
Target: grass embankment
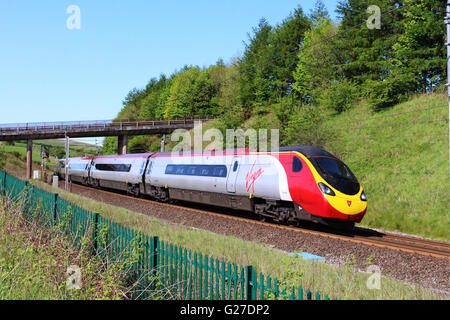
[(400, 156), (36, 263), (344, 282)]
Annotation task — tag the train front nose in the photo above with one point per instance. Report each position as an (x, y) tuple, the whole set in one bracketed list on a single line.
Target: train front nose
[(348, 207)]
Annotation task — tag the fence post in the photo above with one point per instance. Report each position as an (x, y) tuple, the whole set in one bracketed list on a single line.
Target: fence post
[(154, 260), (95, 234), (55, 208), (4, 183), (250, 285), (25, 192), (308, 294)]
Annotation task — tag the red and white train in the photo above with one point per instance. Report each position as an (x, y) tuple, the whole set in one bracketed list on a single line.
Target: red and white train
[(291, 185)]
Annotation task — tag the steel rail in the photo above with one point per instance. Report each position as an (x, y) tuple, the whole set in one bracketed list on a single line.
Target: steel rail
[(400, 243)]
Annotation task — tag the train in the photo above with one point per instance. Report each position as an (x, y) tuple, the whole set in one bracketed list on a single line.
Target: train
[(288, 186)]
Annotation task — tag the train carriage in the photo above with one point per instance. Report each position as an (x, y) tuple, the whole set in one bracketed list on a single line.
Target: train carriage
[(78, 169), (288, 185), (122, 172), (216, 179)]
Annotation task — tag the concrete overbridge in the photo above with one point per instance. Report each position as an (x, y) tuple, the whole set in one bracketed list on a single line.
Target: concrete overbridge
[(86, 129)]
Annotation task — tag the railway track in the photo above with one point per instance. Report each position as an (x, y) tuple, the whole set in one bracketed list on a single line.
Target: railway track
[(360, 235)]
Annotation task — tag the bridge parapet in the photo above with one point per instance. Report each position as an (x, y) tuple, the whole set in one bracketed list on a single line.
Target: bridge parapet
[(78, 129)]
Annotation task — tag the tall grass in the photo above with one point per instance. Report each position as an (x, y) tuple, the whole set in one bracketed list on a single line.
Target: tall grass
[(401, 157), (38, 262)]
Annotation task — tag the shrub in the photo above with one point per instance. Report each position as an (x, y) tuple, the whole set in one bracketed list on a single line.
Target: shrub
[(386, 93), (340, 96)]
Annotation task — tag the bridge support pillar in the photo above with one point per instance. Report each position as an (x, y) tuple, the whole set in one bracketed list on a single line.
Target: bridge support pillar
[(163, 143), (122, 144), (29, 158)]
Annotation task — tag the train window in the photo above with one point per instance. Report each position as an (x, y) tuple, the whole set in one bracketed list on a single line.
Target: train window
[(296, 165), (204, 171), (78, 166), (170, 169), (149, 167), (120, 167), (180, 170), (197, 170), (335, 168), (235, 166), (220, 171), (191, 170)]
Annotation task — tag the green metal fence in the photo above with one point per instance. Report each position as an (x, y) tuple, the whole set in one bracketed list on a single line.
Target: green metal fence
[(154, 268)]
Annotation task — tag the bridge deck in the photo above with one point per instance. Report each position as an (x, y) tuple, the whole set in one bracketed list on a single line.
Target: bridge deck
[(55, 130)]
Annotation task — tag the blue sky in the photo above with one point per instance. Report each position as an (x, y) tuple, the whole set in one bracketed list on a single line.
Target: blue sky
[(51, 73)]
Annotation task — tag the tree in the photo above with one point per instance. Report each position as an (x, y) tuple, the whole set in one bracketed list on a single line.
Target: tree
[(287, 40), (316, 60), (364, 52), (226, 86), (132, 105), (190, 95), (420, 51), (150, 101), (319, 13), (254, 68)]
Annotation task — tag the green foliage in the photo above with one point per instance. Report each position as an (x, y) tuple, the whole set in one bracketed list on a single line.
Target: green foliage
[(318, 13), (110, 145), (254, 68), (315, 68), (383, 94), (303, 127), (406, 55), (340, 96), (34, 262), (181, 92), (284, 47), (267, 66), (400, 155), (306, 60), (420, 49)]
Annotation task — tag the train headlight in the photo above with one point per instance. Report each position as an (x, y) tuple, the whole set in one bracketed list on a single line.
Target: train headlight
[(363, 196), (325, 189)]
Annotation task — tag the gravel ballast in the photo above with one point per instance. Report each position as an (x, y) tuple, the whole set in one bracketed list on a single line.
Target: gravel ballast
[(425, 271)]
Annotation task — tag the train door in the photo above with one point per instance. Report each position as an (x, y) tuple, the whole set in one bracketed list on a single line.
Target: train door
[(145, 172), (87, 172), (232, 176)]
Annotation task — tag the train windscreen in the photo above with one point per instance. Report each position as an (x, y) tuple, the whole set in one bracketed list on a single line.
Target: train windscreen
[(337, 174)]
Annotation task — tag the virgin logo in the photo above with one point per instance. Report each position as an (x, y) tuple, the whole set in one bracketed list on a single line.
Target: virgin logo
[(251, 177)]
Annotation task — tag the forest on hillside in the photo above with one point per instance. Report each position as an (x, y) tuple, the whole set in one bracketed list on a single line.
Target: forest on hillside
[(304, 68)]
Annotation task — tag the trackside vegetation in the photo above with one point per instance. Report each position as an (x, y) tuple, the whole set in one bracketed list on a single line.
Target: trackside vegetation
[(343, 282), (372, 96), (36, 262), (306, 63)]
